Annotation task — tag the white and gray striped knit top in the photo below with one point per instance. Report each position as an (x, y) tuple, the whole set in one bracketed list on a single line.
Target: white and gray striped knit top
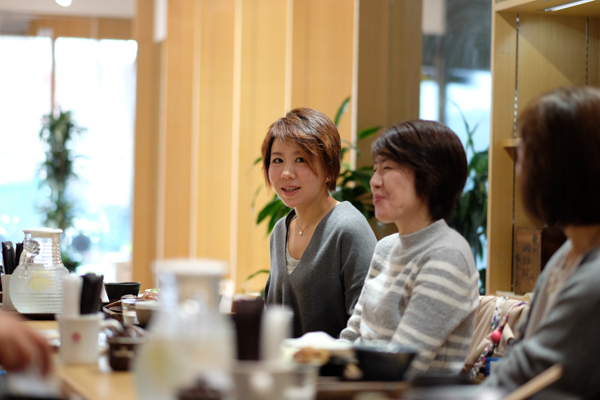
[(421, 291)]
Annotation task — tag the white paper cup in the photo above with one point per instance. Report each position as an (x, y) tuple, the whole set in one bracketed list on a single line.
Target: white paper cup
[(79, 337), (7, 303)]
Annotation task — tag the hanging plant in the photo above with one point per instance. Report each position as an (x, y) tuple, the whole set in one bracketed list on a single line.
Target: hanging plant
[(57, 134)]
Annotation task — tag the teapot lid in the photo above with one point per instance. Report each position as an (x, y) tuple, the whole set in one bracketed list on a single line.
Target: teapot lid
[(42, 232)]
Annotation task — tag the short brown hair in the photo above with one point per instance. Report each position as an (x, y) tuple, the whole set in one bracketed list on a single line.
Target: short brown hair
[(560, 163), (316, 136), (437, 157)]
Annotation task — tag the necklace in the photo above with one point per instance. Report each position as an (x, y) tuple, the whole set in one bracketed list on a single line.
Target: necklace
[(303, 229)]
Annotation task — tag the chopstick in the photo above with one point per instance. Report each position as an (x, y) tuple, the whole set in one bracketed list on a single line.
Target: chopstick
[(544, 379)]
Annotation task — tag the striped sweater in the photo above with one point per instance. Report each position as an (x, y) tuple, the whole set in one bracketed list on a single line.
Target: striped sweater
[(421, 291)]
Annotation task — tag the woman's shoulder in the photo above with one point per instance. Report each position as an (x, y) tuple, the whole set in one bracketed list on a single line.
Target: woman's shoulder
[(587, 276), (280, 226), (389, 241), (385, 246), (451, 247), (346, 214), (346, 221)]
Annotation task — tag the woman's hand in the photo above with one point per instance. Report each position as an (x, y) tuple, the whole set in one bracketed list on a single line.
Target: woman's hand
[(21, 347)]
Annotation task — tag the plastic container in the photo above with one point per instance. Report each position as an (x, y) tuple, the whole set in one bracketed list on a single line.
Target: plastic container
[(36, 286)]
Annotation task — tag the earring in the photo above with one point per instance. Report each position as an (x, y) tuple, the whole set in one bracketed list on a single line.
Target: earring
[(327, 179)]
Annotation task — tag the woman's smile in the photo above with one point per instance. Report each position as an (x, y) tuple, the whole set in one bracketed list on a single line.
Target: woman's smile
[(296, 184)]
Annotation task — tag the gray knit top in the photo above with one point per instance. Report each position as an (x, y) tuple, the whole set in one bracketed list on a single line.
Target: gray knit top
[(324, 288), (421, 292)]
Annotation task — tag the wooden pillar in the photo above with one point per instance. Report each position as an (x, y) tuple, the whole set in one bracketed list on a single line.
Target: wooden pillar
[(146, 146), (501, 167)]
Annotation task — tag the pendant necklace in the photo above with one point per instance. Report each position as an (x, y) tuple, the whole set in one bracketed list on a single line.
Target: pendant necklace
[(303, 229)]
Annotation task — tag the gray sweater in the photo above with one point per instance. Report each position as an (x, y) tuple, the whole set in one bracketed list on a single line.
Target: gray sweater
[(568, 335), (324, 288), (421, 292)]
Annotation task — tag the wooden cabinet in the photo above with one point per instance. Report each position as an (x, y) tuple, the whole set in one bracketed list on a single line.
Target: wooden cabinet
[(533, 51)]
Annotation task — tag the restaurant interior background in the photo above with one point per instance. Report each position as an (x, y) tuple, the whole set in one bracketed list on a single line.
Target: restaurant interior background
[(177, 95)]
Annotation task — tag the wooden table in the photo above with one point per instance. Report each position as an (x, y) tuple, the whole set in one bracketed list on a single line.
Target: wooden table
[(90, 381), (100, 382)]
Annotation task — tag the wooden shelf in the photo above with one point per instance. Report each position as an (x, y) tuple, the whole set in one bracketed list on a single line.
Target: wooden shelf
[(537, 7), (538, 51), (510, 145)]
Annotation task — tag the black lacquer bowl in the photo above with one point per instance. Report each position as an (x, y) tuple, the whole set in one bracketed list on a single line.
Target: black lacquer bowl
[(115, 290), (383, 363)]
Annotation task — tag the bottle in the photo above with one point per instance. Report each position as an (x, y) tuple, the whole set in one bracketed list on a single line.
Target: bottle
[(188, 342), (36, 286)]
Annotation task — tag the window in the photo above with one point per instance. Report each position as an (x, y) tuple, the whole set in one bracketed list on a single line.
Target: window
[(95, 79), (456, 80)]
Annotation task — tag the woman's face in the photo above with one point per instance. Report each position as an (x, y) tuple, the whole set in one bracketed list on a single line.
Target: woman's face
[(395, 196), (294, 182)]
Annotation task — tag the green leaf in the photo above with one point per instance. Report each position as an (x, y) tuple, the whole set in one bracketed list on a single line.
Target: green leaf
[(262, 271), (365, 133), (269, 209), (341, 111)]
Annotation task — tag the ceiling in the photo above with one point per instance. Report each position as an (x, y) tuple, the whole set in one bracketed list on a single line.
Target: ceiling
[(15, 15), (90, 8)]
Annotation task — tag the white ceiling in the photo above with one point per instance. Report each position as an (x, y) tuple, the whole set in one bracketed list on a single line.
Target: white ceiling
[(90, 8)]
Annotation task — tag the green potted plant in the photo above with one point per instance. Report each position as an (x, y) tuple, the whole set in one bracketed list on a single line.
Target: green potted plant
[(470, 213), (56, 135)]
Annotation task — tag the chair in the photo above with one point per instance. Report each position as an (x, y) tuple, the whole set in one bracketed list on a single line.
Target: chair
[(495, 313)]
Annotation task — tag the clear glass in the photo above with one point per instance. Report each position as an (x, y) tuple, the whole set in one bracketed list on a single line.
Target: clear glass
[(36, 285)]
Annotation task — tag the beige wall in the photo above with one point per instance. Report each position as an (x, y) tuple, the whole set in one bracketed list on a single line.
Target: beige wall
[(207, 94)]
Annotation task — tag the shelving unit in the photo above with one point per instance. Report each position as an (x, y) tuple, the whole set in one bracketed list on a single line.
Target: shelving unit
[(533, 51)]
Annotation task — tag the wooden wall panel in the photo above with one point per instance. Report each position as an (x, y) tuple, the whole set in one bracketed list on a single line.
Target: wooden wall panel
[(553, 47), (216, 119), (389, 66), (84, 27), (179, 53), (322, 57), (226, 71), (594, 52), (262, 101)]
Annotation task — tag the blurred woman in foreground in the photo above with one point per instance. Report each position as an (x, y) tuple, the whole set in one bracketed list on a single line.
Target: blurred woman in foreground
[(559, 168), (422, 287)]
